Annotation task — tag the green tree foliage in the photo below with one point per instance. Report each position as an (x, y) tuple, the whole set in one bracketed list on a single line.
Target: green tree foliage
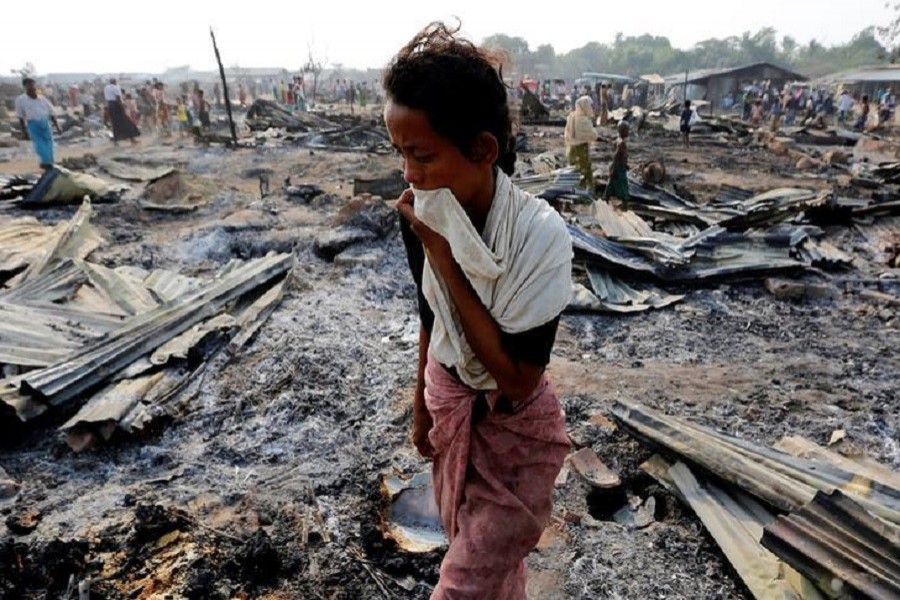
[(637, 55)]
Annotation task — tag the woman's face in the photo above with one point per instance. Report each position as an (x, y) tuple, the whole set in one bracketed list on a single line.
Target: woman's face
[(431, 161)]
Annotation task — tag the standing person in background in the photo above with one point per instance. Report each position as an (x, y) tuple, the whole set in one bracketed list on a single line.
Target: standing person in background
[(863, 114), (845, 104), (182, 116), (756, 114), (604, 105), (777, 109), (492, 265), (131, 109), (162, 109), (242, 95), (203, 110), (685, 124), (579, 134), (147, 107), (217, 94), (123, 128), (35, 114), (618, 169), (73, 96)]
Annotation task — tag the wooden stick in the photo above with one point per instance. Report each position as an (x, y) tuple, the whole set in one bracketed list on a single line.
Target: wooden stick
[(224, 89)]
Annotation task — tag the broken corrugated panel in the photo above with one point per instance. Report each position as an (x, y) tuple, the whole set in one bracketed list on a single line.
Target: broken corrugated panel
[(720, 253), (772, 207), (127, 406), (59, 283), (168, 285), (615, 295), (714, 252), (33, 338), (844, 550), (640, 191), (729, 195), (76, 238), (22, 242), (736, 521), (90, 366), (804, 448), (783, 481), (619, 224), (179, 347), (127, 293), (558, 184), (61, 186), (820, 253), (629, 230), (600, 249), (252, 318)]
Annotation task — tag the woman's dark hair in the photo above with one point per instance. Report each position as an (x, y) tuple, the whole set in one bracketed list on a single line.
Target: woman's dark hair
[(458, 85)]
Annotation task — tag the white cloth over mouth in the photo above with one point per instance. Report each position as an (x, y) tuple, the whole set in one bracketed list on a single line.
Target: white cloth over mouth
[(520, 267)]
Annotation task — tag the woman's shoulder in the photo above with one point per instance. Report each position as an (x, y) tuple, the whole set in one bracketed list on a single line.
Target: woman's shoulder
[(543, 222)]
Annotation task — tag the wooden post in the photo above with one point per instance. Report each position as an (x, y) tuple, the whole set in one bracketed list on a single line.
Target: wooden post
[(224, 88)]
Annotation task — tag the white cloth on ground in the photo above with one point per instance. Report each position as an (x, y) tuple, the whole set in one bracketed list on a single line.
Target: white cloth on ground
[(520, 267)]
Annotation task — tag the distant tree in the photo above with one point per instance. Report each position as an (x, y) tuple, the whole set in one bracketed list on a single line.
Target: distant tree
[(544, 60), (890, 33), (637, 55), (789, 48), (516, 50), (314, 67), (27, 70)]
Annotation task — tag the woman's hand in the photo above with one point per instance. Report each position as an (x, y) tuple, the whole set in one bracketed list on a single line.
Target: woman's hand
[(435, 244), (421, 425)]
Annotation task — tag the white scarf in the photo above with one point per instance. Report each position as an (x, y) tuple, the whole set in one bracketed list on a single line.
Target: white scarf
[(520, 267)]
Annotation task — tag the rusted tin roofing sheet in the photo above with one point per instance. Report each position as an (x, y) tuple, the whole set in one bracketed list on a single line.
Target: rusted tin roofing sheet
[(846, 551), (783, 481)]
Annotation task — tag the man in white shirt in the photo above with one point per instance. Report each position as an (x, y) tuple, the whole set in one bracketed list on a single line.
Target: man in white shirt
[(844, 106), (123, 127), (35, 113), (112, 92)]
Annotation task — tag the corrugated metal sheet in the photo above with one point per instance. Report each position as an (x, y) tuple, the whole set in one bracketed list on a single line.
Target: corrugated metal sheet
[(870, 75), (703, 75), (612, 294), (61, 382), (736, 521), (783, 481), (844, 550), (730, 195), (609, 253)]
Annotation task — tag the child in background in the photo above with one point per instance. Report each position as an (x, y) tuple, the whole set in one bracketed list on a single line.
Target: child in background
[(131, 109), (618, 169), (182, 115), (202, 110), (686, 115), (756, 114)]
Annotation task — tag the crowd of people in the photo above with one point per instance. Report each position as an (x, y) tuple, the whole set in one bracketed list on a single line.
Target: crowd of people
[(165, 109), (810, 105)]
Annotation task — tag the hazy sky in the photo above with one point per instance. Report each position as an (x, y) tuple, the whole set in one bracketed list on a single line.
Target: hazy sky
[(104, 36)]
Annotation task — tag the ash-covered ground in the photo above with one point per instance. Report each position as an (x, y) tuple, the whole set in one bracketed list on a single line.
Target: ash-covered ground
[(265, 482)]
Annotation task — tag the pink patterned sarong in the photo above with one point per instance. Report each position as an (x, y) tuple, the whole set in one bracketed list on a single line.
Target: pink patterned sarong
[(493, 479)]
